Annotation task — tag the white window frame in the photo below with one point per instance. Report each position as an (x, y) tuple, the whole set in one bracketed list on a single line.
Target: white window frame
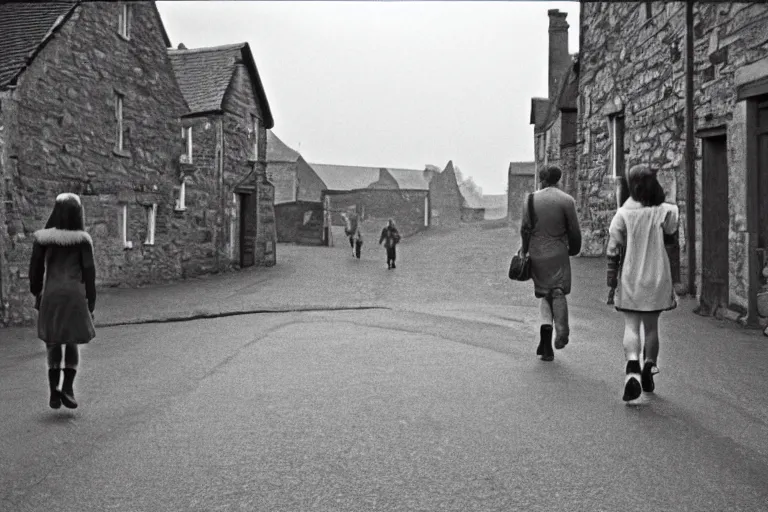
[(614, 146), (181, 203), (255, 128), (233, 227), (151, 215), (426, 211), (124, 21), (186, 134), (127, 244), (119, 117)]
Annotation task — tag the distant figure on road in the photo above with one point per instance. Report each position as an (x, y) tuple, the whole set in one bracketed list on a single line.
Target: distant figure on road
[(644, 281), (391, 237), (62, 277), (352, 230), (554, 238)]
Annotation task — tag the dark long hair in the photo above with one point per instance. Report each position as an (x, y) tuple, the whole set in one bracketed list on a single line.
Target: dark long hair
[(67, 214), (644, 187), (623, 190)]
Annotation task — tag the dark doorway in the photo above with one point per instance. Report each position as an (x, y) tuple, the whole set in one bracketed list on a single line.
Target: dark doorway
[(762, 179), (247, 230), (714, 225)]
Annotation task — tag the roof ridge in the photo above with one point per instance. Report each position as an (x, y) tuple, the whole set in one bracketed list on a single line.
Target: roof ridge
[(207, 48)]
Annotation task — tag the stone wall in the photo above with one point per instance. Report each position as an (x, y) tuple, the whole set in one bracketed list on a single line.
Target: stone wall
[(445, 198), (405, 207), (290, 222), (310, 185), (729, 43), (472, 214), (65, 140), (283, 176), (632, 66), (518, 187)]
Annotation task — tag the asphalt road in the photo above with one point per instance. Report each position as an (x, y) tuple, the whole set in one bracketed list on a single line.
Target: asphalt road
[(434, 402)]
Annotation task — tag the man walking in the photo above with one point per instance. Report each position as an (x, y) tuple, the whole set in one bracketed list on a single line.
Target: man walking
[(554, 237), (390, 237)]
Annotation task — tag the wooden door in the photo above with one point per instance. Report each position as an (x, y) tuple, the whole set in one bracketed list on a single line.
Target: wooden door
[(714, 225), (247, 231)]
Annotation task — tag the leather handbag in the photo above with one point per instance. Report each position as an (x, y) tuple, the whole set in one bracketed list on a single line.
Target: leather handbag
[(520, 266)]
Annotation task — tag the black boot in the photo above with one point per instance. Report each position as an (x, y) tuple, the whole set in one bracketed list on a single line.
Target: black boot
[(545, 344), (646, 378), (53, 383), (67, 393), (632, 388)]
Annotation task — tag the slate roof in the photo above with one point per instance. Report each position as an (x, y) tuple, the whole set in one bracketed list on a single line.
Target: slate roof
[(205, 73), (278, 151), (351, 177), (522, 168), (24, 29)]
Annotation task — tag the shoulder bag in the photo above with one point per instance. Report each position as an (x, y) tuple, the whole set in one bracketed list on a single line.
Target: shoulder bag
[(520, 266)]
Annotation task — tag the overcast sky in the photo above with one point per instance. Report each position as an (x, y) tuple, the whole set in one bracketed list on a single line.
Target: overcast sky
[(392, 84)]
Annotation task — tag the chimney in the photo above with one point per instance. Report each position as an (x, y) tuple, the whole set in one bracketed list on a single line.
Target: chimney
[(559, 59), (181, 47)]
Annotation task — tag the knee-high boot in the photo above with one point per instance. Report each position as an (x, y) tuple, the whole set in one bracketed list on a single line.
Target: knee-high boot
[(53, 383), (67, 391), (545, 344)]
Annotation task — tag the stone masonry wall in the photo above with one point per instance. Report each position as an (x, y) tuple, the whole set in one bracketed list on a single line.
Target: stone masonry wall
[(283, 176), (65, 140), (310, 185), (519, 186), (242, 144), (445, 199), (405, 207), (728, 37), (632, 65)]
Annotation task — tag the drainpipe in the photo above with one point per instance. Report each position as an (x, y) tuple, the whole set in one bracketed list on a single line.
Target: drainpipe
[(690, 151)]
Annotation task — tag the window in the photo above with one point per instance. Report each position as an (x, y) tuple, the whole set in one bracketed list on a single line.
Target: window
[(120, 125), (186, 134), (648, 10), (255, 134), (124, 21), (150, 212), (181, 201), (232, 226), (616, 130), (127, 244)]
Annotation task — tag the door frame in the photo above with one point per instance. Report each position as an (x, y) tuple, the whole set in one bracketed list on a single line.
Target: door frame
[(759, 97), (707, 136)]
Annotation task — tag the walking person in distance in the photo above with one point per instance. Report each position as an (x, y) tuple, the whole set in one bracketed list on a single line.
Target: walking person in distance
[(555, 236), (391, 237), (643, 285), (62, 277)]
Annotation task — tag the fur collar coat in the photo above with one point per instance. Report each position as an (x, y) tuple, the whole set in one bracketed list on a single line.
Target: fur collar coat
[(62, 277)]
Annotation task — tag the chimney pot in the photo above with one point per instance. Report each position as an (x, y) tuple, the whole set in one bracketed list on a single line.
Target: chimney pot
[(181, 46)]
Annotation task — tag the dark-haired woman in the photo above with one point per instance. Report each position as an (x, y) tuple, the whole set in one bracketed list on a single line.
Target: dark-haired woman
[(644, 285), (62, 277)]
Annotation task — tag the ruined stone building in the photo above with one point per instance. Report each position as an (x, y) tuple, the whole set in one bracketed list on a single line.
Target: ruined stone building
[(554, 117), (224, 186), (521, 181), (632, 111)]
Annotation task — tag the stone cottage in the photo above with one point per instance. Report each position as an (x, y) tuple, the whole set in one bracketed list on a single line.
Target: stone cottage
[(554, 117), (293, 178), (223, 188), (88, 104), (634, 62), (298, 194)]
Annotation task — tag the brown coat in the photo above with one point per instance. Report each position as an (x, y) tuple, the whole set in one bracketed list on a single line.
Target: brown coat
[(556, 236), (62, 277)]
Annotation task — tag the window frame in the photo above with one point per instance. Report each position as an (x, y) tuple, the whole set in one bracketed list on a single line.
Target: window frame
[(181, 202), (124, 21), (186, 134), (150, 212), (120, 118), (127, 244)]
